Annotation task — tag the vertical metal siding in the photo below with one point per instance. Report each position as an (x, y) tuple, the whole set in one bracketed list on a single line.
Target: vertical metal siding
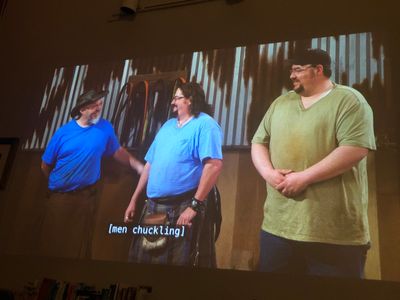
[(352, 63)]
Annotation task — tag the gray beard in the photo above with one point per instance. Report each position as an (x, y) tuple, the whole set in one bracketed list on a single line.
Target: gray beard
[(94, 121)]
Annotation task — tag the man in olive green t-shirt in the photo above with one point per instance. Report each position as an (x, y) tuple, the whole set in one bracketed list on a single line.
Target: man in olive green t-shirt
[(311, 149)]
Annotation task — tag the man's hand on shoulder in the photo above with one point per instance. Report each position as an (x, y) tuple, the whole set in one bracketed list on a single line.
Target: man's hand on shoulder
[(136, 165), (125, 158)]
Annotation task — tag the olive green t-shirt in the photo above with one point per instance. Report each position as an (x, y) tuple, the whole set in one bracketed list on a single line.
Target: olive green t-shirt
[(331, 211)]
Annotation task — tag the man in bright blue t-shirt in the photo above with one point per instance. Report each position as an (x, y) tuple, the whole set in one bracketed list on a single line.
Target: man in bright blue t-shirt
[(72, 162), (182, 166)]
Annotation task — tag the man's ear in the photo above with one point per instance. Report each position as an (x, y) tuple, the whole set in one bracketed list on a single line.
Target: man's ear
[(320, 69)]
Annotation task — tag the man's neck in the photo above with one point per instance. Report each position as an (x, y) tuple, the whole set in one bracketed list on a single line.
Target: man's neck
[(183, 119), (317, 95), (83, 122), (317, 90)]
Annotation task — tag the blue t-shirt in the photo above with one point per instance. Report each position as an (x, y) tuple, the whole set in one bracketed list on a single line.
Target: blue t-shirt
[(177, 154), (76, 152)]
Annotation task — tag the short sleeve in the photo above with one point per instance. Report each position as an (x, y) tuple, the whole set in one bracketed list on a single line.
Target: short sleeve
[(210, 142), (112, 142), (355, 124), (263, 132), (150, 153), (50, 154)]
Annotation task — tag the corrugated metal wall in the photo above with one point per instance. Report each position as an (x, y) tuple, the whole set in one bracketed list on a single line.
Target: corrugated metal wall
[(353, 62), (239, 82)]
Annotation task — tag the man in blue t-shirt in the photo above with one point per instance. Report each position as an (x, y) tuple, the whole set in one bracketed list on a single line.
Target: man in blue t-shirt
[(182, 166), (72, 162)]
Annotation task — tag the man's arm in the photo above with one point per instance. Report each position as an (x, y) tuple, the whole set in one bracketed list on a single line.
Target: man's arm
[(46, 169), (125, 158), (130, 210), (211, 170), (340, 160), (262, 162)]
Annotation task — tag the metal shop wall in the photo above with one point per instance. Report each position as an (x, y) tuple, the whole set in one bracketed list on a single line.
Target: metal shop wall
[(239, 82)]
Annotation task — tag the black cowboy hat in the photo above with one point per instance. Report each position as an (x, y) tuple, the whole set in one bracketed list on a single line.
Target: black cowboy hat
[(85, 99)]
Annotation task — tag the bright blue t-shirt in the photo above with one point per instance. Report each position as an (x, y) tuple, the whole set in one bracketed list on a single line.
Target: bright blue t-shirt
[(75, 153), (177, 155)]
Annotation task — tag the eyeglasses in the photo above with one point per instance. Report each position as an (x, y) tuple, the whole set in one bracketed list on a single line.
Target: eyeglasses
[(177, 97), (98, 103), (298, 70)]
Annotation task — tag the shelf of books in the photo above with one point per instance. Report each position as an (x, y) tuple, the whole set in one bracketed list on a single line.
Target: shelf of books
[(51, 289)]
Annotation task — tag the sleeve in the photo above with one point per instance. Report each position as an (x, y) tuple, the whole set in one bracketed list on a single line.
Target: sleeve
[(112, 142), (263, 132), (355, 124), (210, 141), (50, 154), (150, 153)]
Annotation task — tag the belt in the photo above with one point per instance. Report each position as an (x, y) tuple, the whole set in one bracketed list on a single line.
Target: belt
[(175, 198), (88, 188)]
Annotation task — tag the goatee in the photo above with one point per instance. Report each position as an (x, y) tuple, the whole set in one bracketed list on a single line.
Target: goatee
[(299, 89)]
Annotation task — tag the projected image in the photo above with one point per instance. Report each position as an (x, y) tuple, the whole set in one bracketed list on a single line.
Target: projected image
[(168, 123)]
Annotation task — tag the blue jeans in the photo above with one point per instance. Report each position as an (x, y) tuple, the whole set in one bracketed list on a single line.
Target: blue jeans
[(281, 255)]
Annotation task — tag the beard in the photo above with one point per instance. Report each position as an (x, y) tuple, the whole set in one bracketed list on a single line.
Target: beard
[(94, 121), (94, 118), (299, 89), (174, 111)]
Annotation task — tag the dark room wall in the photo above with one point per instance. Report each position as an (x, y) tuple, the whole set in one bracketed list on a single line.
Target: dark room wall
[(38, 36)]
